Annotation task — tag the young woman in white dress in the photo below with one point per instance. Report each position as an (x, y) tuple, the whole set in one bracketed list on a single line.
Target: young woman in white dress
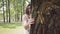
[(27, 20)]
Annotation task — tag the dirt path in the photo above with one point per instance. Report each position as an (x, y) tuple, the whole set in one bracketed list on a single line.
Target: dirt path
[(12, 31), (16, 31)]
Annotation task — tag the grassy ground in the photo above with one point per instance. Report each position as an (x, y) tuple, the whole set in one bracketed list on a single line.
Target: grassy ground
[(11, 28)]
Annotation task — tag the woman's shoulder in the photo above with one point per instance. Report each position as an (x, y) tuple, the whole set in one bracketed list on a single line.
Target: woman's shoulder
[(25, 15)]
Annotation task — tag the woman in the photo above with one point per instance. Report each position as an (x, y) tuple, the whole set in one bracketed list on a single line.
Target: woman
[(27, 20)]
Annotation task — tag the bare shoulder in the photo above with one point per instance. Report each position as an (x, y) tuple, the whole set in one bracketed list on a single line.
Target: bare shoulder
[(24, 16)]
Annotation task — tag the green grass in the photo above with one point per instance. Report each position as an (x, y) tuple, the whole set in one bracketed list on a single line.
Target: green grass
[(10, 25), (10, 28)]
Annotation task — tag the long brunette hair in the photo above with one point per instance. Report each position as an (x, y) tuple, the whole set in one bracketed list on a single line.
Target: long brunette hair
[(28, 9)]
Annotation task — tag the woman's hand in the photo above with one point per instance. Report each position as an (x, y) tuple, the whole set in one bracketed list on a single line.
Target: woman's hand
[(31, 21)]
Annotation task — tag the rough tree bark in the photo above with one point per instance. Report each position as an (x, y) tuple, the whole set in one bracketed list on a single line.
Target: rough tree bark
[(46, 14)]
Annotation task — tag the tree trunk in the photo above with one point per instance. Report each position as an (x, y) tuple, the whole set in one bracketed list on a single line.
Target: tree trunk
[(3, 11), (22, 8), (46, 14), (9, 9)]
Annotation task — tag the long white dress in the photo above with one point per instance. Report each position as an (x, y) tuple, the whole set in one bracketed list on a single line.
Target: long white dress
[(24, 21)]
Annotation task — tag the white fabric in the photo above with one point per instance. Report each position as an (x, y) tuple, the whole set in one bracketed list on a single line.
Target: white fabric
[(24, 22)]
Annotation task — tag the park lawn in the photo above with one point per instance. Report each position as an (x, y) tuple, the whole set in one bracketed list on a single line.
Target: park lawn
[(11, 28)]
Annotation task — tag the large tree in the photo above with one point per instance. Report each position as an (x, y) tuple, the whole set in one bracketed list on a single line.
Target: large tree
[(46, 14)]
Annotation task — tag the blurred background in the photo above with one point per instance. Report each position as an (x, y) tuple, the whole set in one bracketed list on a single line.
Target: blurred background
[(11, 12)]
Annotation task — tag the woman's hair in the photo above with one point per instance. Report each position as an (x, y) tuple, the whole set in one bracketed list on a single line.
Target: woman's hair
[(27, 9)]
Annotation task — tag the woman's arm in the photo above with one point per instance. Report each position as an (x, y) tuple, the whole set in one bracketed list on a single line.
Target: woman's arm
[(25, 22), (26, 26)]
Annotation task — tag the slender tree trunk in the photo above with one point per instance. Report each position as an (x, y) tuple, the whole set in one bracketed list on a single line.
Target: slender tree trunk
[(21, 13), (14, 9), (9, 10), (3, 11), (23, 6)]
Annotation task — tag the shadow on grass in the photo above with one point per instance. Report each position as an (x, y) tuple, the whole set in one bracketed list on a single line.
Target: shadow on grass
[(10, 25)]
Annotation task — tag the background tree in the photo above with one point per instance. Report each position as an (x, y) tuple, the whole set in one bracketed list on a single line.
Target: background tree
[(3, 10)]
